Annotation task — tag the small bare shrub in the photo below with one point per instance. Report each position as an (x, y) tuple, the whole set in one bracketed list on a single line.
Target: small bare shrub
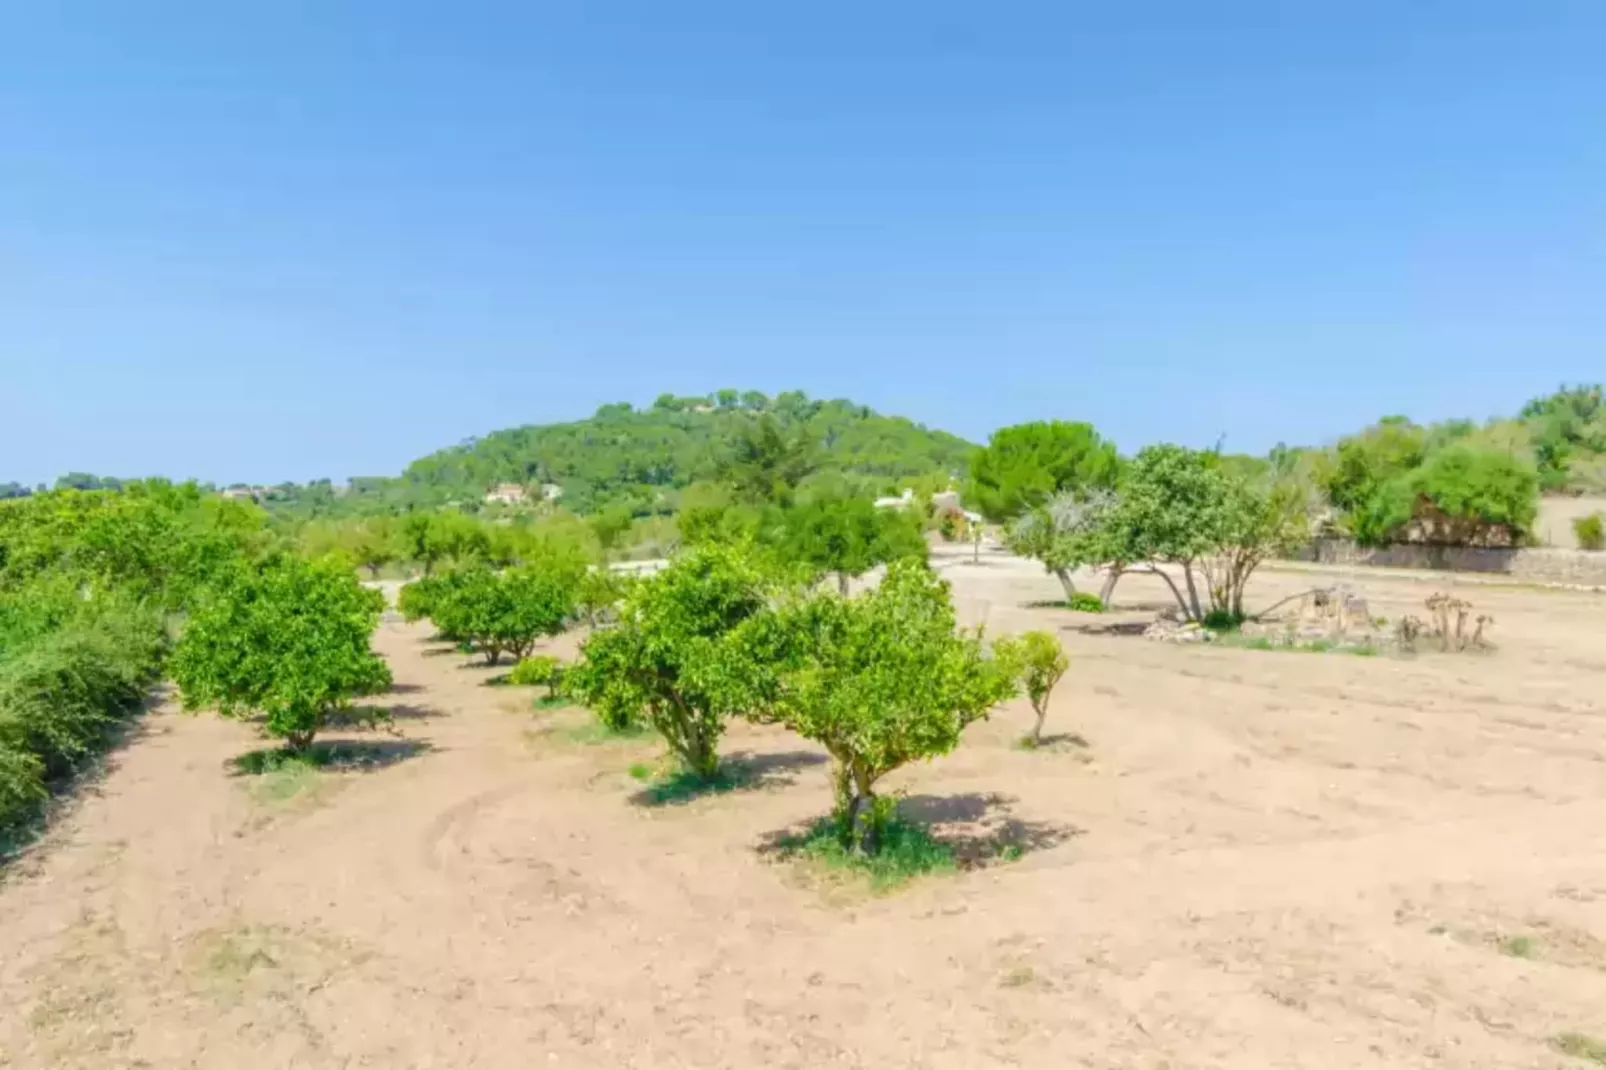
[(1449, 617)]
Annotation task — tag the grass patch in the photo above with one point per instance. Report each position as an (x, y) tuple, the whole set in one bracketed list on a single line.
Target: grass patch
[(552, 702), (1581, 1046), (1520, 947), (1081, 603), (907, 852), (279, 775), (1239, 641), (592, 732)]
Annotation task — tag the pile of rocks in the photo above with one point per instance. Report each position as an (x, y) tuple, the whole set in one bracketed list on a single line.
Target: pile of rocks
[(1168, 630)]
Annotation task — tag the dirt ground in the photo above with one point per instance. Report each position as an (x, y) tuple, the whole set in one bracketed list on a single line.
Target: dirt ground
[(1239, 858)]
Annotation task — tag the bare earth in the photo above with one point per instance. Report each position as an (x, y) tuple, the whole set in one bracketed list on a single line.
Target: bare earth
[(1244, 859)]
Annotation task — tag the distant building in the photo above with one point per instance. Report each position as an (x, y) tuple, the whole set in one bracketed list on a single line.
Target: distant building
[(903, 501), (506, 493), (551, 492), (242, 493)]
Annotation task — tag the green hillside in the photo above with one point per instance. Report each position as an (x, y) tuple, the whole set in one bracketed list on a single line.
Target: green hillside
[(640, 458)]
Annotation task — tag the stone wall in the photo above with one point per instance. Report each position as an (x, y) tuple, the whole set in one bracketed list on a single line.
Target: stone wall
[(1540, 564)]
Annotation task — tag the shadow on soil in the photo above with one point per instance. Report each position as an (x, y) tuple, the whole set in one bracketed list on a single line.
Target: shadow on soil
[(738, 772), (981, 828), (1114, 627), (972, 830), (343, 756)]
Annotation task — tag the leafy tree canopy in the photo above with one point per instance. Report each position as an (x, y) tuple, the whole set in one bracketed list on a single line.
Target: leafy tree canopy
[(1021, 467)]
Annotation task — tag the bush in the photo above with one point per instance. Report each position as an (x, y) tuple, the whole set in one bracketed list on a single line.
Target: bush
[(1590, 531), (505, 613), (670, 660), (879, 681), (1083, 602), (289, 641), (62, 697), (540, 669), (1039, 661)]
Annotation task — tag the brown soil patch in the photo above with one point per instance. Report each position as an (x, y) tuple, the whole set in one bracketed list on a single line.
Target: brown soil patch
[(1242, 858)]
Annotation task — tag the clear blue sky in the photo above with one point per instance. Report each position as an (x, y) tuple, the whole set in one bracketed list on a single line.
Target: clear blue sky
[(283, 240)]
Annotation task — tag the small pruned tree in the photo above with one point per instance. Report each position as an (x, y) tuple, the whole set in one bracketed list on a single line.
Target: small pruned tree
[(670, 660), (848, 537), (507, 612), (1039, 661), (288, 640), (879, 681)]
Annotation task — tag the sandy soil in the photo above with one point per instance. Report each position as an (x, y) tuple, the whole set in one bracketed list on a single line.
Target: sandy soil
[(1243, 859)]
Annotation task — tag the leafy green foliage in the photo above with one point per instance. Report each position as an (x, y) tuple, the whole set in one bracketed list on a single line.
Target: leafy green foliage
[(1590, 531), (1083, 602), (1021, 467), (539, 669), (288, 640), (1568, 431), (879, 681), (766, 462), (1039, 661), (506, 612), (1180, 507), (849, 537), (671, 659), (1065, 533), (906, 851), (1469, 496)]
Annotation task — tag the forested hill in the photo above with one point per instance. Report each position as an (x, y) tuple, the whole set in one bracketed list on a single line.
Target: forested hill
[(641, 458)]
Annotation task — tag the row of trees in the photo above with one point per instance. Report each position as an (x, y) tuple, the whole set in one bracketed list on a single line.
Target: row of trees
[(878, 680), (92, 585)]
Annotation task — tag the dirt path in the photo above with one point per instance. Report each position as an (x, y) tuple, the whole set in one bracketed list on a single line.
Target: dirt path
[(1256, 859)]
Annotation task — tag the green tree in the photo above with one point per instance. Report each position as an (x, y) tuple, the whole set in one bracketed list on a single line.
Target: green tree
[(372, 543), (1039, 661), (879, 681), (670, 659), (850, 536), (1066, 533), (1467, 496), (1178, 507), (289, 640), (1021, 467), (767, 461)]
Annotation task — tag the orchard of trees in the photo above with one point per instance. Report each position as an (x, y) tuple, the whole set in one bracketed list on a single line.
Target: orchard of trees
[(106, 585)]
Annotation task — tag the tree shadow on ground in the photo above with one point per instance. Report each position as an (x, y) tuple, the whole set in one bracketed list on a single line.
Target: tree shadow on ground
[(1055, 741), (1126, 628), (743, 771), (980, 828), (336, 756), (404, 689)]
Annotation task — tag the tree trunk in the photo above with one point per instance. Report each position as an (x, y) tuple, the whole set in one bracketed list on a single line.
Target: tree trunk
[(842, 583), (1037, 729), (1193, 590), (1182, 602), (1064, 576), (1107, 592)]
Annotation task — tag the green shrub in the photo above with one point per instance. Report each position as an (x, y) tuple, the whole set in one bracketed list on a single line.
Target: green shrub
[(1084, 602), (1590, 531), (1039, 661), (539, 669), (62, 696), (1222, 620), (670, 661), (290, 642)]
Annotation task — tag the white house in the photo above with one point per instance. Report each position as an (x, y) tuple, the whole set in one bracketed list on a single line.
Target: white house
[(506, 493)]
